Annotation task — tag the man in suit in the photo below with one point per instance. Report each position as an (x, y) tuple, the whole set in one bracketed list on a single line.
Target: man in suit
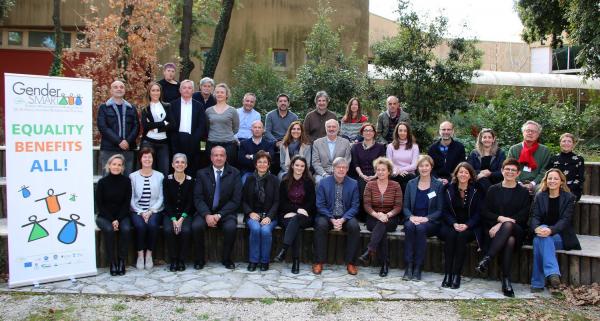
[(217, 198), (328, 148), (337, 205), (189, 126)]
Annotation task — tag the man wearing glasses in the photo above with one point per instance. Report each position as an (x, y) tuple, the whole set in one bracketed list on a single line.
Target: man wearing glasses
[(532, 156)]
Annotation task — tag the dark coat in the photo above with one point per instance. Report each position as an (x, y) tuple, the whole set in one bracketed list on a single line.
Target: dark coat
[(109, 126), (285, 206), (178, 198), (247, 146), (249, 196), (495, 163), (148, 122), (564, 225), (443, 166), (199, 126), (474, 198), (494, 207), (230, 196), (436, 203)]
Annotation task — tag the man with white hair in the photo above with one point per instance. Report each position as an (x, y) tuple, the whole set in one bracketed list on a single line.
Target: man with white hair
[(328, 148), (205, 94), (248, 115), (118, 125), (532, 155), (189, 123)]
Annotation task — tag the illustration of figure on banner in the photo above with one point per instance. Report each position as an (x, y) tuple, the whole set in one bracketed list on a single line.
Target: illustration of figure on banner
[(52, 203), (37, 230), (68, 233)]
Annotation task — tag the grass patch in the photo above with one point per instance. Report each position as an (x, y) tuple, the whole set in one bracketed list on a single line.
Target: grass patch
[(267, 301), (329, 306), (119, 307), (180, 309), (204, 316), (517, 309), (53, 315)]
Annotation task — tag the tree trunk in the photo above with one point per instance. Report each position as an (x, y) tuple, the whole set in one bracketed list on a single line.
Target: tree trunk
[(125, 52), (57, 66), (187, 65), (212, 59)]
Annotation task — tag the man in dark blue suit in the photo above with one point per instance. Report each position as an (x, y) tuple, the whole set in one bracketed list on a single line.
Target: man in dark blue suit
[(217, 198), (189, 126), (337, 206)]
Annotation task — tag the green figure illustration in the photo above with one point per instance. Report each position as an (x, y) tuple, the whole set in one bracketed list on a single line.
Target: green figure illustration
[(37, 231), (63, 100)]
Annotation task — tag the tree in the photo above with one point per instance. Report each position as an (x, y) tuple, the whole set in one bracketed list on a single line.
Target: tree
[(125, 45), (213, 56), (328, 67), (57, 66), (426, 85), (5, 7), (573, 20)]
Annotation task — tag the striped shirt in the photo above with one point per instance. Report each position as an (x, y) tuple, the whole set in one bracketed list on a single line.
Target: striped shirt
[(144, 201), (389, 201)]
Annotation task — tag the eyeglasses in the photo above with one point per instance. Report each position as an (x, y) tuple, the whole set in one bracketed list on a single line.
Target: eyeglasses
[(368, 130), (510, 170)]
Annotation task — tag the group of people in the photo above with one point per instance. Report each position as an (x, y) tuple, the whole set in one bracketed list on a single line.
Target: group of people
[(325, 174)]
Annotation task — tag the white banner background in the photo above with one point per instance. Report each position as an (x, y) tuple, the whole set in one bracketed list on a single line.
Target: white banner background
[(50, 192)]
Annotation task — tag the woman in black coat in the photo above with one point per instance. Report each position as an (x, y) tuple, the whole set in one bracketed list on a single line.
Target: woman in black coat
[(460, 224), (297, 208), (505, 216), (156, 125), (113, 194), (551, 222), (260, 201)]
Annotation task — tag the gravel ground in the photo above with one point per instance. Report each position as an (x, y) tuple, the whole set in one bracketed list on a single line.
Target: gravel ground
[(17, 306)]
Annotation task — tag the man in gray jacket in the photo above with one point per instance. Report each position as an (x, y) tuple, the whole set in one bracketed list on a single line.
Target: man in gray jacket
[(387, 120), (328, 148)]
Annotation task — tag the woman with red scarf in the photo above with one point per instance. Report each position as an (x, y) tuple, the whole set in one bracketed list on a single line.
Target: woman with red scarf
[(532, 156)]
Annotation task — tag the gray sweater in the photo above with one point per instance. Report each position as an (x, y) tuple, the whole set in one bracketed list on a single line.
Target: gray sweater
[(156, 191), (222, 127)]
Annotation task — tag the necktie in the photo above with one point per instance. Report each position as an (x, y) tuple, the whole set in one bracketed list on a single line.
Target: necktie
[(217, 190)]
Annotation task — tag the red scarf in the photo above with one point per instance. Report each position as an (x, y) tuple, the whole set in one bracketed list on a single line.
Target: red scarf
[(526, 156)]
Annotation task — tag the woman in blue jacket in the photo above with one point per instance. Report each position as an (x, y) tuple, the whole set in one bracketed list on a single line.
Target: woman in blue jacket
[(422, 211), (462, 203), (487, 159)]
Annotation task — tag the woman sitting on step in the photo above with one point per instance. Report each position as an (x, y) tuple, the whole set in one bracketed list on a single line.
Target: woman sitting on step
[(504, 219), (551, 223), (113, 195), (297, 208)]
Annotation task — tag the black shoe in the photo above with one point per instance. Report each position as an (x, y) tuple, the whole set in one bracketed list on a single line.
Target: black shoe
[(483, 265), (173, 266), (264, 267), (228, 265), (507, 288), (121, 267), (198, 265), (384, 269), (180, 265), (417, 272), (408, 272), (365, 258), (447, 282), (114, 268), (252, 267), (455, 281), (280, 257), (295, 266)]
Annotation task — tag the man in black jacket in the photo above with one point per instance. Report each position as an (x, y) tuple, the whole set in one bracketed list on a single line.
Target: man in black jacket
[(189, 126), (446, 153), (217, 198), (118, 125)]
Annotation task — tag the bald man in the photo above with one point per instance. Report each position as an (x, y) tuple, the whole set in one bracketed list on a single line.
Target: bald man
[(118, 125), (387, 120), (446, 153)]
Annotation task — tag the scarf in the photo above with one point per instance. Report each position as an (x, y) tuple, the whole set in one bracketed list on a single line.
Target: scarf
[(294, 148), (260, 186), (526, 156)]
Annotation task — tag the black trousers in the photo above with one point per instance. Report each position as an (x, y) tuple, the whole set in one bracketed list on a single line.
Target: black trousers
[(108, 234), (379, 241), (291, 236), (178, 245), (227, 224), (184, 143), (323, 226), (455, 248)]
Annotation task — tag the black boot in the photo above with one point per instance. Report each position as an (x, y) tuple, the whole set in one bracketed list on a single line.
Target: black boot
[(507, 288), (252, 266), (295, 265), (365, 258), (483, 265), (447, 282), (280, 257), (417, 272), (114, 268), (384, 269), (408, 272), (180, 265), (455, 281), (264, 267), (173, 266), (121, 267)]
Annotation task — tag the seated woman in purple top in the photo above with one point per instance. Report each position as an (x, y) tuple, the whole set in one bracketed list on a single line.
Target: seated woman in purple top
[(403, 152)]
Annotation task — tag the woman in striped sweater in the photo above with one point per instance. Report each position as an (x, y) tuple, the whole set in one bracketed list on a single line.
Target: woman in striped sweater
[(146, 207)]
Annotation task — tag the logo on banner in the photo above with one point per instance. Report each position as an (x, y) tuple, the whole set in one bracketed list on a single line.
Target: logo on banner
[(45, 95)]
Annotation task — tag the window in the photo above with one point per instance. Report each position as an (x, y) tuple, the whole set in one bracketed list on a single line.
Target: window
[(564, 58), (15, 38), (46, 39), (280, 58)]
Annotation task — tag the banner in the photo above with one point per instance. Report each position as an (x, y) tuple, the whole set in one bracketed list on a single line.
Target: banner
[(49, 178)]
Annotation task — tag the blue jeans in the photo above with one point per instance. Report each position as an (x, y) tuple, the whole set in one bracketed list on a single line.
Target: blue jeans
[(146, 233), (544, 259), (261, 237)]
